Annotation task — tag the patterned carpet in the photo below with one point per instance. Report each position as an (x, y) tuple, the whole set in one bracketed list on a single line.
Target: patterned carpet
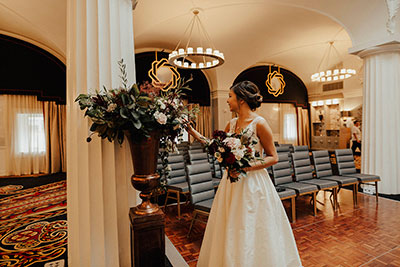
[(33, 225)]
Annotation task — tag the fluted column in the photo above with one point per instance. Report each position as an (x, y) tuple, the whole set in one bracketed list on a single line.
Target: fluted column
[(99, 33), (221, 112), (381, 116)]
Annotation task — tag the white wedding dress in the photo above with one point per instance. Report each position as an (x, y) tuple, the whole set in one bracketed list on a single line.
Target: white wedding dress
[(248, 225)]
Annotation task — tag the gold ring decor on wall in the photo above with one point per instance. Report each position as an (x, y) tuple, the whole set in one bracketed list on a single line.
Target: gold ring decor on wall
[(275, 83), (163, 75)]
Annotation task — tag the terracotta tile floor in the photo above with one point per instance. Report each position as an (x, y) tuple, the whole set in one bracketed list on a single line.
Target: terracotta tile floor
[(368, 235)]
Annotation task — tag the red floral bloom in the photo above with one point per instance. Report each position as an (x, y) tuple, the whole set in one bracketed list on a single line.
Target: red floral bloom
[(230, 159)]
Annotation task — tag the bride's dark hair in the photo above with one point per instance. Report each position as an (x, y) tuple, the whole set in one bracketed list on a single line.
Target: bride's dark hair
[(249, 92)]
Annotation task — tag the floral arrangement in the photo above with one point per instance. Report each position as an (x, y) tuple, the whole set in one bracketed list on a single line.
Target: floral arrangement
[(233, 151), (136, 109)]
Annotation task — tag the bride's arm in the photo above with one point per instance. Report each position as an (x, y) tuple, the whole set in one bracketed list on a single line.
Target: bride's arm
[(264, 133), (197, 135)]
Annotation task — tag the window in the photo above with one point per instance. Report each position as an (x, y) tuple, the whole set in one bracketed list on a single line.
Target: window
[(30, 134), (290, 127)]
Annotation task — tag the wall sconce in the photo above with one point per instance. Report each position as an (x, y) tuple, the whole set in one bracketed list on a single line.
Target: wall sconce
[(320, 103), (328, 102), (314, 103), (335, 101)]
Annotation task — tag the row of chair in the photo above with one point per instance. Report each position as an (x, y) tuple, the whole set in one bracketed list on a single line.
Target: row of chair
[(177, 181), (297, 178), (304, 181)]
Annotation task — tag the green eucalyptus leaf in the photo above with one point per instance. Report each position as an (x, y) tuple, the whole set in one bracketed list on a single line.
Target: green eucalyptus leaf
[(135, 89), (135, 115), (137, 124), (124, 113), (125, 99)]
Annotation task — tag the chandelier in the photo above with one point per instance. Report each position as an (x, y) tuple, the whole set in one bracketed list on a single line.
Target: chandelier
[(204, 56), (334, 74)]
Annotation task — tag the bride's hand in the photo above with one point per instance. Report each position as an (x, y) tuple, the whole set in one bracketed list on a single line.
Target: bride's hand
[(187, 124)]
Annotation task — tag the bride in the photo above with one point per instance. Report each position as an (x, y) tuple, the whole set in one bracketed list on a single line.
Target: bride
[(248, 225)]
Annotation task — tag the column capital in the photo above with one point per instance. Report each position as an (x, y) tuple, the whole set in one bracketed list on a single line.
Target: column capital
[(385, 48), (219, 93)]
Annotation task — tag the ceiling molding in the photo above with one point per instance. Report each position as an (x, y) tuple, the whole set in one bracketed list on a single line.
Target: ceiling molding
[(36, 43)]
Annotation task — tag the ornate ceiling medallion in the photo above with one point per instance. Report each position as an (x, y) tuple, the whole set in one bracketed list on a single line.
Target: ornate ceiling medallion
[(275, 82), (163, 75)]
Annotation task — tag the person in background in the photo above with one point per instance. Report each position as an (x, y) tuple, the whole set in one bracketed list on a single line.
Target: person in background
[(356, 137)]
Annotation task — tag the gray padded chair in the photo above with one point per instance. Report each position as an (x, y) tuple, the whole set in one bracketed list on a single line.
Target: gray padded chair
[(323, 170), (217, 172), (281, 175), (300, 149), (283, 178), (283, 148), (303, 173), (197, 158), (289, 146), (201, 190), (177, 183), (346, 167), (195, 145)]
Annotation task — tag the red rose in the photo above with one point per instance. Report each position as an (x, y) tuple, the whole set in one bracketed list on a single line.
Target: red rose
[(230, 159)]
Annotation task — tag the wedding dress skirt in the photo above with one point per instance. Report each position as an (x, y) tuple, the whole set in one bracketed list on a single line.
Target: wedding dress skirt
[(248, 226)]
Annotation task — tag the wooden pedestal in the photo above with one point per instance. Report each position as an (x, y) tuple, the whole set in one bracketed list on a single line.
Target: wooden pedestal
[(147, 239)]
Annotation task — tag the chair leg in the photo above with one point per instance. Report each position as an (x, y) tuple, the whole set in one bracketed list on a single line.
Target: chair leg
[(166, 200), (178, 196), (293, 206), (355, 187), (315, 203), (187, 199), (191, 224), (335, 198), (376, 191)]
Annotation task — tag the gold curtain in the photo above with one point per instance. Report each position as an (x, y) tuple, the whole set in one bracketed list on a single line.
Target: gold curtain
[(303, 127), (55, 119), (203, 121)]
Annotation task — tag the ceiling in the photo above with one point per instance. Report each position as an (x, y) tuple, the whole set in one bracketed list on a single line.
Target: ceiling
[(248, 32)]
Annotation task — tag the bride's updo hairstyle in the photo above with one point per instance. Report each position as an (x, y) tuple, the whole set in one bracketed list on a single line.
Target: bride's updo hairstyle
[(249, 92)]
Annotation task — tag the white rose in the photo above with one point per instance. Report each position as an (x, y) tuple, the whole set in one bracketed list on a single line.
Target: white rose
[(111, 107), (232, 142), (239, 153), (161, 104), (160, 117)]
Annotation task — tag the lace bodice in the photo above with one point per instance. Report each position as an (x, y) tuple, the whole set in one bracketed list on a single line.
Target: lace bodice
[(251, 127)]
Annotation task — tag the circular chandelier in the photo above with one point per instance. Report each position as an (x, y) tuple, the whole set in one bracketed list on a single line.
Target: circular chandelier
[(201, 57), (331, 74)]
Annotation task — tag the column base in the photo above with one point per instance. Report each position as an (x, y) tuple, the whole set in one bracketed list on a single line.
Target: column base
[(147, 239)]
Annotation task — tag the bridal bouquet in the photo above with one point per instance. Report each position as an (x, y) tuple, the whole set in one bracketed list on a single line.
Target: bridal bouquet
[(233, 151)]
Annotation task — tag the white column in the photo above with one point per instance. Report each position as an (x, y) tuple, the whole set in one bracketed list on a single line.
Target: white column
[(381, 116), (99, 194), (221, 113)]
